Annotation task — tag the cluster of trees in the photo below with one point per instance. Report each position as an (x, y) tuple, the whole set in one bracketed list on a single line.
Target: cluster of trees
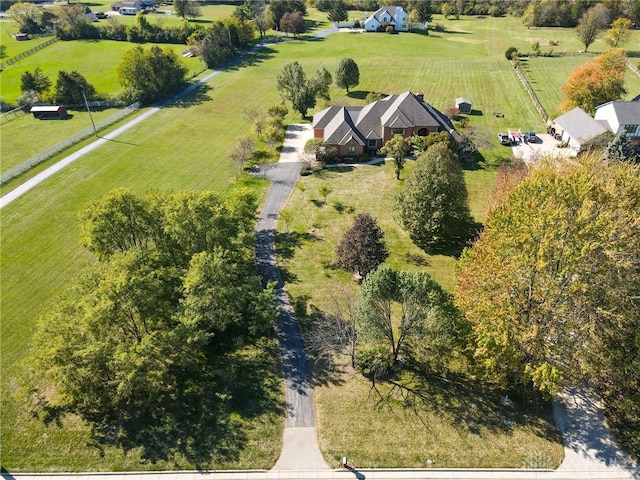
[(146, 74), (71, 88), (546, 296), (597, 82), (150, 74), (551, 284), (150, 336), (303, 92), (562, 13)]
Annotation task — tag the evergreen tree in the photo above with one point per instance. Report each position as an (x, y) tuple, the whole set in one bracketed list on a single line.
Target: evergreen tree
[(621, 149), (70, 88), (338, 12)]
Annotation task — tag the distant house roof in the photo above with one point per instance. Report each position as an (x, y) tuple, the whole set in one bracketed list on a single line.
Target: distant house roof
[(345, 124), (460, 100), (581, 126), (389, 10), (627, 113)]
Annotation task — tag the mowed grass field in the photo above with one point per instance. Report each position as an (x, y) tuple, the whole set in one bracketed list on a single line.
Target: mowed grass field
[(187, 146), (17, 134), (95, 60)]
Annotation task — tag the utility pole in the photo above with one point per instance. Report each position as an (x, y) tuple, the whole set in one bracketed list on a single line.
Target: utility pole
[(90, 116)]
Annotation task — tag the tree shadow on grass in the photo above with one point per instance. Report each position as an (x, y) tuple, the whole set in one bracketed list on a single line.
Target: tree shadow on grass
[(205, 417), (198, 96), (287, 243), (472, 405), (251, 59), (417, 259)]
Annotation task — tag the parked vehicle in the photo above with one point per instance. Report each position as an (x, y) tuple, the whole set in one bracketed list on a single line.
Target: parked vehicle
[(504, 139), (530, 137)]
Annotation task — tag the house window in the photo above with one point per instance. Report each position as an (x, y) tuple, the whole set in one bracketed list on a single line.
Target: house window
[(630, 129), (351, 149), (397, 131), (372, 143)]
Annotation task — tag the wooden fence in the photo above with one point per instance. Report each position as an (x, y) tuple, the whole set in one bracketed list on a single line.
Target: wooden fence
[(31, 51), (532, 94)]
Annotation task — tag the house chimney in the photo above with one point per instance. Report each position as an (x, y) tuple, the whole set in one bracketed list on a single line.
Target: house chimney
[(420, 96)]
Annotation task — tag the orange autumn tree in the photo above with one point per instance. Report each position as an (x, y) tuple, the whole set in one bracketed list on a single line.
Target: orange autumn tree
[(595, 83)]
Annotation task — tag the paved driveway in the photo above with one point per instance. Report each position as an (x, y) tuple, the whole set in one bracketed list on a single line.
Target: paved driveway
[(546, 146), (294, 141)]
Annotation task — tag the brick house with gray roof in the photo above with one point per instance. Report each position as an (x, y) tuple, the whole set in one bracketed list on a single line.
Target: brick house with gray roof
[(355, 131)]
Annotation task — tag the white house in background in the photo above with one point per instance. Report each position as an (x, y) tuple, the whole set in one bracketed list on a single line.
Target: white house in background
[(394, 16), (621, 117), (579, 129)]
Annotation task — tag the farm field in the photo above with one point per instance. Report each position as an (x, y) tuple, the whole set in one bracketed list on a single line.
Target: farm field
[(187, 146), (17, 134), (96, 60)]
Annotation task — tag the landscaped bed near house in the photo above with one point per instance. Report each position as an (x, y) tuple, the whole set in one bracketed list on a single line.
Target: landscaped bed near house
[(188, 146)]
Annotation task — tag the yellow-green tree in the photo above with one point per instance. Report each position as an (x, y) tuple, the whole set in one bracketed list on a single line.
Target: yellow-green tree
[(551, 286)]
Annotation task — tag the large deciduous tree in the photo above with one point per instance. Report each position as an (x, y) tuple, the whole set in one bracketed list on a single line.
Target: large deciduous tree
[(551, 286), (293, 85), (173, 297), (292, 22), (591, 24), (26, 15), (409, 314), (595, 83), (347, 74), (362, 249), (433, 205), (278, 8), (619, 33), (187, 8), (149, 75)]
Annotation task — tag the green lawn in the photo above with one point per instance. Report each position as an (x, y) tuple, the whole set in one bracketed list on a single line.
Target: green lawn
[(544, 74), (17, 134), (462, 423), (9, 46), (96, 60), (187, 146)]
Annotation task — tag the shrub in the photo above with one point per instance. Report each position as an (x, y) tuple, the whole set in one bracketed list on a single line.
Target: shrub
[(511, 53), (439, 27), (452, 112)]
